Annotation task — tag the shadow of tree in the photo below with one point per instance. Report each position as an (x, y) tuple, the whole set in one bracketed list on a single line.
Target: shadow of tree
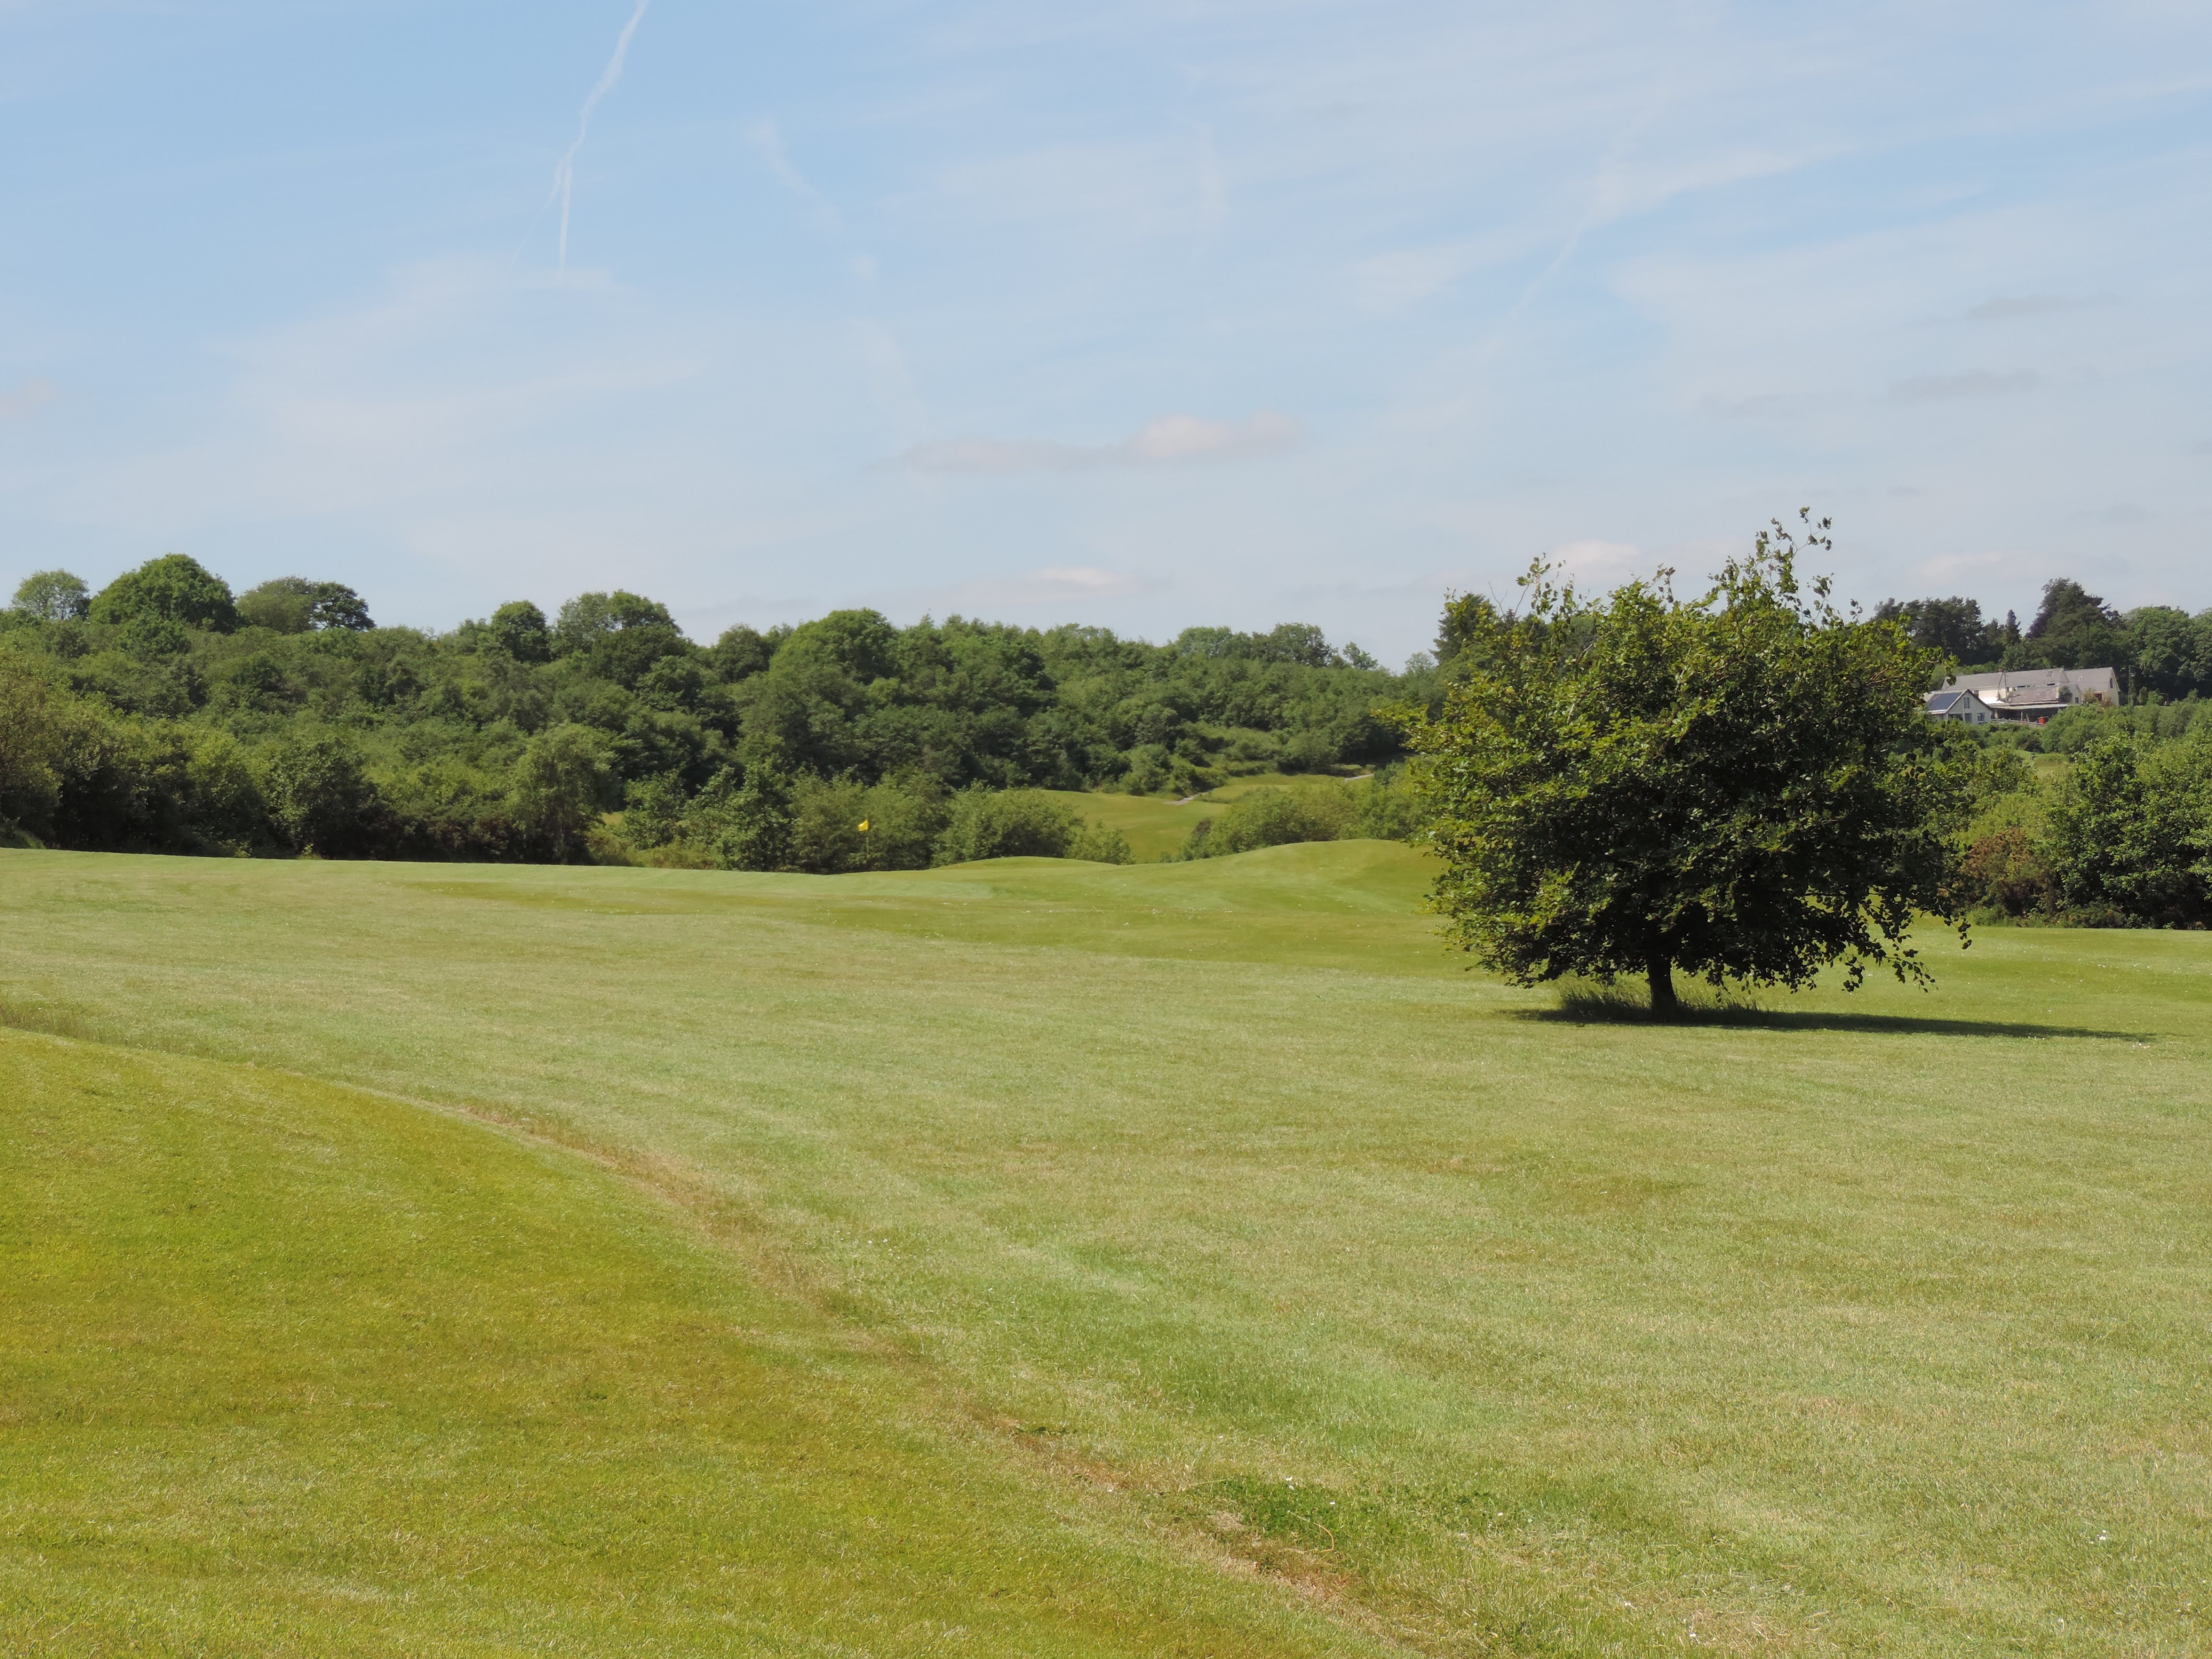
[(1607, 1010)]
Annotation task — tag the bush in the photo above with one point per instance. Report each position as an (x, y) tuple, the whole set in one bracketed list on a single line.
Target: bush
[(75, 775), (1010, 823), (904, 820), (1099, 843), (560, 784), (1385, 807), (450, 808), (320, 799), (653, 812), (2130, 838), (224, 810), (1310, 752), (1149, 771), (1275, 818), (38, 729), (2004, 871), (747, 827)]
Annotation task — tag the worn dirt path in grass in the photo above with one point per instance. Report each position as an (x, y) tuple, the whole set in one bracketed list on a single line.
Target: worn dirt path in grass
[(288, 1367)]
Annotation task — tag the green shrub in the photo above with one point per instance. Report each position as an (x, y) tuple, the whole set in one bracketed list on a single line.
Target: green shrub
[(320, 799), (1384, 807), (1149, 771), (37, 733), (903, 821), (1275, 817), (2128, 839), (2005, 873), (1099, 843), (561, 783), (1005, 824), (747, 826)]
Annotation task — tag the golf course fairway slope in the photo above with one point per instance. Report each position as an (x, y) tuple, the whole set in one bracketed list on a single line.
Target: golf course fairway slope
[(293, 1369), (1169, 1258)]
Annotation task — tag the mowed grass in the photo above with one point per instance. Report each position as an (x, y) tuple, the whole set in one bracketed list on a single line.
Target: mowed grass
[(1871, 1325), (290, 1368), (1154, 827)]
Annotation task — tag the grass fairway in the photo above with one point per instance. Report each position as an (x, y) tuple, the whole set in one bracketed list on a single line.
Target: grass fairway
[(290, 1368), (1200, 1220)]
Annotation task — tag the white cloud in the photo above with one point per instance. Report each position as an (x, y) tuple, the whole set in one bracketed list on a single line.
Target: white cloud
[(1170, 440), (27, 400)]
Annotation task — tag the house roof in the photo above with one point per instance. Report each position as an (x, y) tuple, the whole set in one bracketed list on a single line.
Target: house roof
[(2041, 687), (1942, 703)]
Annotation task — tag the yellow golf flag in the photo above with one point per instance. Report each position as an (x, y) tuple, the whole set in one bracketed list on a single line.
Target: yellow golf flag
[(864, 826)]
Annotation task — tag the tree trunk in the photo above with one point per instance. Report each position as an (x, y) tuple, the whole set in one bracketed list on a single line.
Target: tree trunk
[(1663, 1003)]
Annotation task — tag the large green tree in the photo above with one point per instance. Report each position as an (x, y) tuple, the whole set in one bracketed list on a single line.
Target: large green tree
[(2076, 628), (1739, 785), (52, 596), (293, 605), (174, 588)]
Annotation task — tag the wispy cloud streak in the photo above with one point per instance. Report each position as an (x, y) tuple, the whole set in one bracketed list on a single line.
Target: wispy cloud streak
[(564, 174)]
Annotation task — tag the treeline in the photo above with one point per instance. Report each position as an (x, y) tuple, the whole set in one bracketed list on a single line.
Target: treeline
[(2160, 652), (167, 713), (2122, 837)]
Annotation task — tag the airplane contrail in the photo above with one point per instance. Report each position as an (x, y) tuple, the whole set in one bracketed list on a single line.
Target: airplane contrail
[(564, 175)]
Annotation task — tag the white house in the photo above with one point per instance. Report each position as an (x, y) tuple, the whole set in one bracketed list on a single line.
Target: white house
[(1952, 704)]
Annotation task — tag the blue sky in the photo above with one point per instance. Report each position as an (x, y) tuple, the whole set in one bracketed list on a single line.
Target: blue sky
[(1147, 315)]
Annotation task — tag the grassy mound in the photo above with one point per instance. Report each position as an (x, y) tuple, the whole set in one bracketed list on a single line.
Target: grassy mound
[(1855, 1324)]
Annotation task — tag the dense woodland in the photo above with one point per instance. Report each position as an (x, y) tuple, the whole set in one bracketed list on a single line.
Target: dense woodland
[(167, 713)]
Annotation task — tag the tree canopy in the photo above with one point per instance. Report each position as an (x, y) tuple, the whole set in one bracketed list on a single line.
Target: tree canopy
[(286, 719), (52, 596), (293, 605), (1740, 785), (172, 588)]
